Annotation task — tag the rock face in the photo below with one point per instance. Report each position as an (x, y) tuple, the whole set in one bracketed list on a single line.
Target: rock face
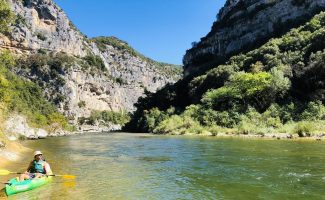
[(16, 126), (42, 27), (245, 24)]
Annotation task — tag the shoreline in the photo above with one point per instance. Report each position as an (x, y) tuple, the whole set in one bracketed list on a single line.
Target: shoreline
[(274, 136), (269, 136)]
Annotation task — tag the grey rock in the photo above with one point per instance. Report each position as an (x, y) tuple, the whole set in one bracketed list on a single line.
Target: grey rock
[(58, 133), (17, 127), (32, 137), (41, 133), (46, 27)]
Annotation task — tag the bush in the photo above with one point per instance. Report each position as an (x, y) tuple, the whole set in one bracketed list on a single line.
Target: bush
[(178, 125), (314, 111), (243, 88), (7, 16), (81, 104), (41, 36), (153, 117), (20, 20), (22, 137), (95, 61), (106, 117), (57, 118), (304, 128), (120, 80)]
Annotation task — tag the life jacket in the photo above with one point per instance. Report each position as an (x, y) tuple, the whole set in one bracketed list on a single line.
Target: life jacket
[(38, 167)]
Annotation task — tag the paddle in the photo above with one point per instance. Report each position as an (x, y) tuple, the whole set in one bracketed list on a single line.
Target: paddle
[(6, 172), (66, 176)]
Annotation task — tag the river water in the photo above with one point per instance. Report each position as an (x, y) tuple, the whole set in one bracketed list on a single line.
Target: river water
[(134, 166)]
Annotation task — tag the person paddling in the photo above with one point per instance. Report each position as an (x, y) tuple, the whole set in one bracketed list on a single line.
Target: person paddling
[(37, 168)]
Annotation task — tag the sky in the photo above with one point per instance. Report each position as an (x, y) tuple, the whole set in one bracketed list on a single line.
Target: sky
[(159, 29)]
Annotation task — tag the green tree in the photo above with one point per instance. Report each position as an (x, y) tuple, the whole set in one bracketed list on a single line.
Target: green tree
[(314, 111), (6, 16)]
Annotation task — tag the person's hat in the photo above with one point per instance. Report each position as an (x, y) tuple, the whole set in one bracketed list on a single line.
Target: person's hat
[(37, 153)]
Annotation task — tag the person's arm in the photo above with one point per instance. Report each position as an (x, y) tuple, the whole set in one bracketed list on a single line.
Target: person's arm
[(48, 169), (29, 167)]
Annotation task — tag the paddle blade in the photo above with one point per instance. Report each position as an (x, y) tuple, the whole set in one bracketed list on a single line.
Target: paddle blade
[(69, 176), (4, 172), (65, 176)]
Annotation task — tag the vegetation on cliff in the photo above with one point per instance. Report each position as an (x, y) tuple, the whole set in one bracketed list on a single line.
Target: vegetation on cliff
[(105, 118), (21, 96), (7, 16), (164, 68), (26, 98), (278, 87)]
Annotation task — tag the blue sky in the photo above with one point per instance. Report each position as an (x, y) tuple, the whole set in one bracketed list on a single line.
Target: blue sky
[(160, 29)]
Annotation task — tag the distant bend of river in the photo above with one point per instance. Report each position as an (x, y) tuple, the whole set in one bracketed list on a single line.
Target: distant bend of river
[(137, 166)]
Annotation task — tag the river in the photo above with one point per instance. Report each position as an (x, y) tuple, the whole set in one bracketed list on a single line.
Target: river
[(137, 166)]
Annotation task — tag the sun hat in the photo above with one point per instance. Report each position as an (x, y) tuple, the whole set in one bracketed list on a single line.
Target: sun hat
[(37, 153)]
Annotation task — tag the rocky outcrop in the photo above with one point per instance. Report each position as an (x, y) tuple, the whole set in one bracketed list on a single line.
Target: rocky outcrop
[(245, 24), (16, 127), (41, 27)]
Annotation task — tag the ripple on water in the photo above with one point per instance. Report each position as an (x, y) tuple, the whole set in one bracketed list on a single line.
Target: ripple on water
[(155, 158), (298, 175)]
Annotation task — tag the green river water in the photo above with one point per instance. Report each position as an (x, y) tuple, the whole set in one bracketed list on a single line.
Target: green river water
[(134, 166)]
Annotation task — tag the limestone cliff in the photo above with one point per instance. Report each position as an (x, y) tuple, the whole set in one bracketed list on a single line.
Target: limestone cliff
[(42, 28), (245, 24), (42, 25)]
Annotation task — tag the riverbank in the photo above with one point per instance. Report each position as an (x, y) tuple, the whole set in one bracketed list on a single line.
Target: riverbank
[(269, 136)]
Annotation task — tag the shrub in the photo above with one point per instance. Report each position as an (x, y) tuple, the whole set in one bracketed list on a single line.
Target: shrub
[(314, 111), (7, 16), (120, 80), (304, 128), (153, 117), (178, 125), (106, 117), (242, 87), (81, 104), (20, 20), (95, 61), (22, 137), (41, 36)]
